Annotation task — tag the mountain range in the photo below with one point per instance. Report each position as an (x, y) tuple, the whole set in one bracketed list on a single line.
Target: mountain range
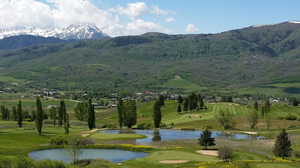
[(256, 59), (72, 32)]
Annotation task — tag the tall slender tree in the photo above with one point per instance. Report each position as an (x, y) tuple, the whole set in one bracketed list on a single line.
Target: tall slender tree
[(186, 104), (179, 110), (60, 115), (157, 114), (53, 115), (65, 116), (91, 116), (20, 114), (39, 115), (256, 105), (120, 112), (161, 100), (130, 114), (14, 113)]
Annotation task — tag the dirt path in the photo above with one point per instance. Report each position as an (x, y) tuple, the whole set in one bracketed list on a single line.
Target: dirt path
[(173, 161), (208, 152)]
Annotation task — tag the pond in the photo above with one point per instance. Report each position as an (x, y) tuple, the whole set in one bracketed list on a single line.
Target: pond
[(64, 155), (169, 134)]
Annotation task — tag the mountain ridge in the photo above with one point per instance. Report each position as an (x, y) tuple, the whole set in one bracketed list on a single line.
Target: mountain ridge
[(248, 57)]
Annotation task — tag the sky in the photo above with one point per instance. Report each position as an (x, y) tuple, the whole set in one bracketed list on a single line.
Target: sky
[(132, 17)]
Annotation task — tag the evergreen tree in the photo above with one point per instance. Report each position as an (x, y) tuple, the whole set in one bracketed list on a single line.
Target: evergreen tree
[(20, 114), (206, 139), (161, 100), (157, 114), (267, 106), (283, 145), (186, 104), (179, 99), (67, 123), (120, 113), (91, 116), (295, 102), (53, 115), (65, 115), (179, 108), (39, 115), (130, 114), (193, 101), (14, 113), (256, 105), (201, 102), (60, 115)]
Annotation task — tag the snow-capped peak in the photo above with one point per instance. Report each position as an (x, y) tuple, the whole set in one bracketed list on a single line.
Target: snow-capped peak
[(294, 21), (75, 31)]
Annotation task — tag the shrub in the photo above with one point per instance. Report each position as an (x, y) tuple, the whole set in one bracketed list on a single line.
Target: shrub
[(297, 154), (291, 117), (144, 126), (59, 140), (225, 153)]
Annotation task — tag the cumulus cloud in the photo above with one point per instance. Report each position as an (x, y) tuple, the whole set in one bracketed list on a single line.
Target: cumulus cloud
[(191, 28), (169, 19), (61, 13), (132, 9)]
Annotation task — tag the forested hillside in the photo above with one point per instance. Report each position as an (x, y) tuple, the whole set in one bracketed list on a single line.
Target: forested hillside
[(251, 57)]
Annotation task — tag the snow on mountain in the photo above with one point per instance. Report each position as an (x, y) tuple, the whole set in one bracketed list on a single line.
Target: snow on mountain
[(77, 32), (294, 21)]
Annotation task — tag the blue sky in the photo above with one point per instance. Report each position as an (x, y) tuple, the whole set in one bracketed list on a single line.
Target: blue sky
[(130, 17), (212, 16)]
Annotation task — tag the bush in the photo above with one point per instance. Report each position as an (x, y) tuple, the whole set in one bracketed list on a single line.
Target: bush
[(291, 117), (225, 153), (59, 140), (297, 154), (144, 126)]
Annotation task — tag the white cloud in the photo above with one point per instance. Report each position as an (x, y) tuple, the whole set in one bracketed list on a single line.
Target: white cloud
[(132, 9), (191, 28), (61, 13), (140, 26), (169, 19), (157, 11)]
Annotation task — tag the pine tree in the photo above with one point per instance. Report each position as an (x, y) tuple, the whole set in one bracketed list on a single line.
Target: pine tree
[(91, 116), (14, 113), (179, 100), (201, 102), (130, 114), (179, 108), (67, 123), (53, 115), (283, 145), (161, 100), (20, 114), (39, 115), (186, 104), (256, 105), (157, 114), (65, 115), (120, 113), (267, 106), (60, 115), (206, 139)]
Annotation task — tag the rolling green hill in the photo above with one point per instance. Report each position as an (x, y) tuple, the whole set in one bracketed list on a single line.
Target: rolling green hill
[(253, 57)]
